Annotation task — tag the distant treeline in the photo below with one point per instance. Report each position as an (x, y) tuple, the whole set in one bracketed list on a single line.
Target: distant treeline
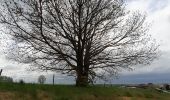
[(6, 79)]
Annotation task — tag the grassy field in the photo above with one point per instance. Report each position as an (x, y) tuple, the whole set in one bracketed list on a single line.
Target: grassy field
[(68, 92)]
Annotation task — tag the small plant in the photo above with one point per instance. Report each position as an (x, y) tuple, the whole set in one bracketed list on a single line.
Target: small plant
[(128, 94)]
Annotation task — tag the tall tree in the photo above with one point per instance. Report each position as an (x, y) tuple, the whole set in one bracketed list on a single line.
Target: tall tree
[(85, 38), (41, 79)]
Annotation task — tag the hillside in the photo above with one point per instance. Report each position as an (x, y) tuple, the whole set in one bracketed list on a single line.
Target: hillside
[(68, 92)]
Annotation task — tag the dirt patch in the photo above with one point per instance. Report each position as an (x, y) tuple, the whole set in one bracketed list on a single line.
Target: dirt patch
[(133, 98), (43, 95), (6, 95), (126, 98)]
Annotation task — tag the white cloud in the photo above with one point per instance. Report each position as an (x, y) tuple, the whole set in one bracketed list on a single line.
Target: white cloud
[(138, 5), (147, 5), (158, 14)]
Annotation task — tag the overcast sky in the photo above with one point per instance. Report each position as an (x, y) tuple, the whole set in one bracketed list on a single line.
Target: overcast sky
[(158, 14)]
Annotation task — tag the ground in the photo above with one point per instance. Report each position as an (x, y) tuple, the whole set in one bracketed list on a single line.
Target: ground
[(15, 91)]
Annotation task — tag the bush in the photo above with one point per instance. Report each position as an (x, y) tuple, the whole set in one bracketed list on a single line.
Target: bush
[(167, 87), (21, 81)]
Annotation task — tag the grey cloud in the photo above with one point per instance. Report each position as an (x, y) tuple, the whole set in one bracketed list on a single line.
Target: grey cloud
[(143, 78)]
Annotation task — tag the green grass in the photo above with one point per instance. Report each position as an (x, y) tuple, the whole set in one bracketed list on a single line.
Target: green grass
[(69, 92)]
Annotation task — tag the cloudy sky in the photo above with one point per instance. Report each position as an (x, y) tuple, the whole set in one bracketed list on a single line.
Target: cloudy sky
[(158, 14)]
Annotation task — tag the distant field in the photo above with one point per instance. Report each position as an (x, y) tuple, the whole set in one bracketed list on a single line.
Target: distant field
[(66, 92)]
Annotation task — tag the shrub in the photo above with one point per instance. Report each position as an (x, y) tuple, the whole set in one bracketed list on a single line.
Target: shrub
[(21, 81)]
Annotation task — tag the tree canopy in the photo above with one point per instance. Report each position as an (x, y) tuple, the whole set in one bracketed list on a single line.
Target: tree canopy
[(86, 38), (41, 79)]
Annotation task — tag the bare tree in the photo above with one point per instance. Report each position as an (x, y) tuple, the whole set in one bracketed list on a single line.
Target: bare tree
[(86, 38), (41, 79)]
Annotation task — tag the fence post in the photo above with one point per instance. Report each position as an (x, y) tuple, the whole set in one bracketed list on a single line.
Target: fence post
[(53, 79), (0, 72)]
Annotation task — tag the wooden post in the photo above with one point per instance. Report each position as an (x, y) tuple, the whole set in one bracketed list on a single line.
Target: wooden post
[(0, 72), (53, 79)]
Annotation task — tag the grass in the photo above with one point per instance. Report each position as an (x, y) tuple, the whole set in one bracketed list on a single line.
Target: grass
[(68, 92)]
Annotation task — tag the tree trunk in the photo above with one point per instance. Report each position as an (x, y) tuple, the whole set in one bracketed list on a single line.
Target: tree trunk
[(82, 80)]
